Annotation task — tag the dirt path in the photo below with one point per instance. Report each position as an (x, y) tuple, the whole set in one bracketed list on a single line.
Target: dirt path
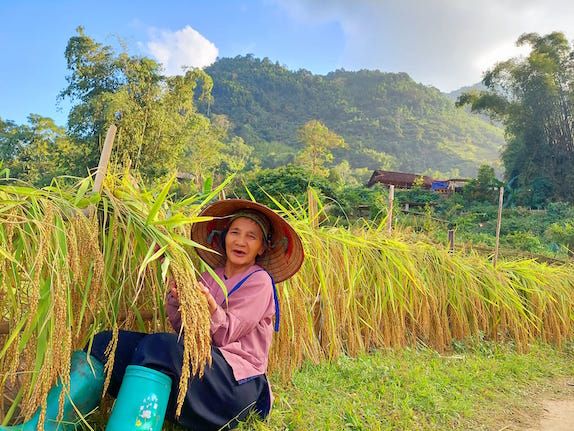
[(557, 416), (553, 412)]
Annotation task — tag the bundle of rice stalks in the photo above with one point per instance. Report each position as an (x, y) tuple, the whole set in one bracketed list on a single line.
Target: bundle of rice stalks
[(361, 289), (64, 277)]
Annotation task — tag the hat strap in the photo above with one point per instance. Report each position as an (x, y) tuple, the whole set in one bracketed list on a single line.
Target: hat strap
[(212, 234)]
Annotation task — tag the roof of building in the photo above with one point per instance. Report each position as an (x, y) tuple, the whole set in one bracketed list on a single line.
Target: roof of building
[(400, 179)]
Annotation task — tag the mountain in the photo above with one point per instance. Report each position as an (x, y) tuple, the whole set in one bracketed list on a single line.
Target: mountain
[(453, 95), (383, 117)]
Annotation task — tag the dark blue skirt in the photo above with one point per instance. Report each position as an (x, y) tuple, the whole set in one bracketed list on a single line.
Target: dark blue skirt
[(214, 401)]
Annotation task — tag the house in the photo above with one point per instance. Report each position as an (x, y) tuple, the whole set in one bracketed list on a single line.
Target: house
[(456, 184), (399, 179), (441, 186), (406, 181)]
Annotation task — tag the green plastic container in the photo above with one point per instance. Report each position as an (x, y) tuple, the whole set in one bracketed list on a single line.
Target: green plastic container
[(83, 395), (141, 402)]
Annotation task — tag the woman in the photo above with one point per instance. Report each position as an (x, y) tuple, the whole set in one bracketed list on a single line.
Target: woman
[(256, 247)]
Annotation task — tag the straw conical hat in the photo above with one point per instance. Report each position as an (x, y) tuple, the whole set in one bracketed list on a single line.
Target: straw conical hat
[(284, 255)]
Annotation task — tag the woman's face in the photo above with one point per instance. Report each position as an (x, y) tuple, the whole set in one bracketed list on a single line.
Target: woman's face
[(244, 242)]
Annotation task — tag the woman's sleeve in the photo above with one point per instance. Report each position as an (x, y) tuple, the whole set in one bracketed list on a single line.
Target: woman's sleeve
[(172, 310), (246, 308)]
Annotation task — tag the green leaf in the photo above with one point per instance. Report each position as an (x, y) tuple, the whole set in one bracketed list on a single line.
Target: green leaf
[(159, 201)]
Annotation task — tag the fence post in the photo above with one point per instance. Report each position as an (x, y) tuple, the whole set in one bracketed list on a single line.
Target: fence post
[(451, 241), (390, 211), (498, 223)]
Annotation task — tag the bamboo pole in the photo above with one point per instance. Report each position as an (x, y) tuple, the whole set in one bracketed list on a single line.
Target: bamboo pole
[(390, 211), (498, 223), (102, 165), (105, 158)]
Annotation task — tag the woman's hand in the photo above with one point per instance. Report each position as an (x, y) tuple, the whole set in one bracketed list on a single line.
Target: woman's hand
[(212, 305)]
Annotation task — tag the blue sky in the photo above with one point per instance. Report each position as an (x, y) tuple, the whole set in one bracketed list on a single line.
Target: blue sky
[(444, 43)]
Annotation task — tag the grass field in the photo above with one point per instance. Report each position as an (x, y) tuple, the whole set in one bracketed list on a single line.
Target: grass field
[(417, 389)]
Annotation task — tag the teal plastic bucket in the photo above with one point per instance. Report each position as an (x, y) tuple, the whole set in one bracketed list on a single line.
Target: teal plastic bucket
[(141, 402)]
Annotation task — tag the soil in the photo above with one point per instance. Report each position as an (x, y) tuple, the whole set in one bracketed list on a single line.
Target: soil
[(552, 410), (558, 416)]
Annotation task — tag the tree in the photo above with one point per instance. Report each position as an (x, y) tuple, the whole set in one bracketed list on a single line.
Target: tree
[(318, 142), (237, 156), (534, 99), (40, 150), (203, 151), (562, 233), (211, 151), (10, 140), (156, 115), (484, 187)]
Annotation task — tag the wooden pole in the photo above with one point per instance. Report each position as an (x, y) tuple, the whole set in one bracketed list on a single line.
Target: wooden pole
[(102, 165), (498, 223), (105, 158), (451, 241), (390, 211)]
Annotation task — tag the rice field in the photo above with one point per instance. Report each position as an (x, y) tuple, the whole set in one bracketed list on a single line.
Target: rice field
[(65, 276)]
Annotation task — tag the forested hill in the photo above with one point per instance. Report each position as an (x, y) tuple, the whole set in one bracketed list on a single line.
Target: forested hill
[(378, 114)]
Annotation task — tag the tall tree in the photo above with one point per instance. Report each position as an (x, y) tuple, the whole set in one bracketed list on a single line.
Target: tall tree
[(318, 141), (534, 98), (10, 140), (155, 114)]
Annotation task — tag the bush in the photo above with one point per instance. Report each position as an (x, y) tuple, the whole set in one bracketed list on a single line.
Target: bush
[(525, 241), (484, 188), (354, 202), (562, 233), (287, 184)]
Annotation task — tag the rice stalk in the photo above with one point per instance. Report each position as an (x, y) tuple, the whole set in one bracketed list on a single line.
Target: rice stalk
[(66, 277)]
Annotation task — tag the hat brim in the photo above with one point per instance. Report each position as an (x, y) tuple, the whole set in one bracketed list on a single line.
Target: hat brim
[(283, 257)]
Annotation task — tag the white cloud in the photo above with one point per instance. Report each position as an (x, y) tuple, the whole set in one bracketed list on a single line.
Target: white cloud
[(177, 50), (445, 43)]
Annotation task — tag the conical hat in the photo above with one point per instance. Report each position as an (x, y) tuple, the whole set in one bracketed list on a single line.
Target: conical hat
[(284, 254)]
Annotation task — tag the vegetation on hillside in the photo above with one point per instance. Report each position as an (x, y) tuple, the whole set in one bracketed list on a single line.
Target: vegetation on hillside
[(379, 115)]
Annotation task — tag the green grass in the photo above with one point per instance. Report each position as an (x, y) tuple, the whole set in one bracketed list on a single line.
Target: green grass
[(415, 389)]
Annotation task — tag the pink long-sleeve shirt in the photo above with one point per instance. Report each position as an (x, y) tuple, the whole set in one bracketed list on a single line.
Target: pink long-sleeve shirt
[(242, 326)]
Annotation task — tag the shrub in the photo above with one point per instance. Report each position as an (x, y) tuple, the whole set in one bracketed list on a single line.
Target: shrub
[(525, 241)]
